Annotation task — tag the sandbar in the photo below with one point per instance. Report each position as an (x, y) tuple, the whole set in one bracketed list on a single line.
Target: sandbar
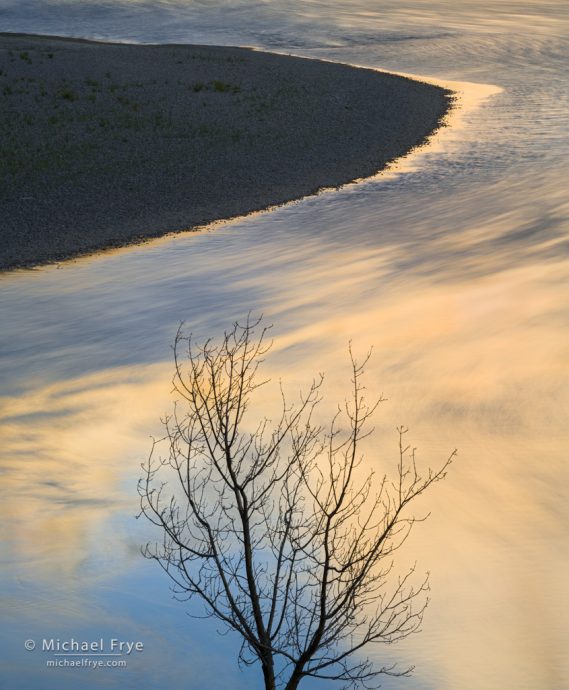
[(106, 144)]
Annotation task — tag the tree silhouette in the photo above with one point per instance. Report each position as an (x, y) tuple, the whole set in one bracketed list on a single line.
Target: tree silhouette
[(274, 529)]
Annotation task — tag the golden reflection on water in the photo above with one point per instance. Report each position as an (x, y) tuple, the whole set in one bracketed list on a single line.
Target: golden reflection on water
[(66, 450), (480, 366), (467, 98)]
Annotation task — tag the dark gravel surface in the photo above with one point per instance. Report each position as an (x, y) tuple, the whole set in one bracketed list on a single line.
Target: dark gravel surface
[(102, 145)]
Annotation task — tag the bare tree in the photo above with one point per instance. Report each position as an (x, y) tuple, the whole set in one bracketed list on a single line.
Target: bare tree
[(274, 529)]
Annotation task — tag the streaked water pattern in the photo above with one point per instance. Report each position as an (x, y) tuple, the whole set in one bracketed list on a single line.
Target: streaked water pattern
[(455, 269)]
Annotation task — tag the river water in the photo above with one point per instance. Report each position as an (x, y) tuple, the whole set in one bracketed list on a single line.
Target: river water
[(454, 267)]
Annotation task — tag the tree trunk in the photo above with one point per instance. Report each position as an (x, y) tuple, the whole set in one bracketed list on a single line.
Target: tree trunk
[(293, 681), (269, 676)]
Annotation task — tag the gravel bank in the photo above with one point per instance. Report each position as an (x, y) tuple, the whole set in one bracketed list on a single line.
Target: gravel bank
[(107, 144)]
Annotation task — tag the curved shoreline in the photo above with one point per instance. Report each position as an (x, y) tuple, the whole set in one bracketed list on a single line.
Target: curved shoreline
[(107, 144)]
